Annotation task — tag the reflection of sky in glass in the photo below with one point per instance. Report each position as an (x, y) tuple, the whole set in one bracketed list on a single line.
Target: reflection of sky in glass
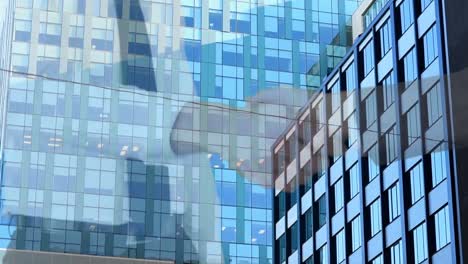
[(110, 122)]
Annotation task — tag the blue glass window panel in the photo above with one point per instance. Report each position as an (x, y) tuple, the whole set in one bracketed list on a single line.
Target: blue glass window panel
[(100, 75), (231, 57), (430, 46), (229, 88), (197, 85), (20, 101), (48, 67), (60, 183), (101, 44), (327, 33), (271, 26), (410, 67), (49, 39), (75, 42), (165, 189), (141, 115), (216, 19), (281, 27), (12, 175), (285, 64), (138, 12), (298, 30), (36, 177), (254, 59), (438, 165), (271, 63), (154, 188), (81, 6), (228, 193), (191, 49), (115, 8), (139, 48), (187, 21), (240, 26), (22, 35), (229, 212), (137, 189), (258, 196), (247, 195), (137, 225), (142, 78), (407, 14), (229, 230), (442, 228), (74, 73)]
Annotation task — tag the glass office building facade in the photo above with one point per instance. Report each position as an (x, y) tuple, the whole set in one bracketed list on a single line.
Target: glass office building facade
[(372, 169), (141, 128)]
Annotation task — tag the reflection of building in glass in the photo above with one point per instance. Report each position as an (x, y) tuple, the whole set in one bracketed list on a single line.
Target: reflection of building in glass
[(371, 170), (134, 121)]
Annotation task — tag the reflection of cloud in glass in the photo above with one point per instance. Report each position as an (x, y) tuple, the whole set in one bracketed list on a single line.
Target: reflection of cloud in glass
[(135, 63)]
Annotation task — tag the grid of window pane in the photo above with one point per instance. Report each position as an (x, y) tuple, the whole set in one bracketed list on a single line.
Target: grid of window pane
[(291, 143), (420, 243), (425, 3), (353, 129), (373, 11), (351, 78), (396, 253), (394, 207), (293, 239), (339, 195), (389, 91), (321, 163), (354, 177), (340, 246), (417, 183), (305, 132), (292, 188), (413, 122), (378, 260), (439, 165), (391, 145), (356, 233), (410, 65), (434, 104), (385, 38), (369, 58), (307, 179), (281, 202), (282, 248), (406, 14), (336, 96), (442, 228), (323, 255), (308, 227), (373, 162), (430, 46), (371, 109), (322, 211), (319, 115), (337, 145), (375, 217)]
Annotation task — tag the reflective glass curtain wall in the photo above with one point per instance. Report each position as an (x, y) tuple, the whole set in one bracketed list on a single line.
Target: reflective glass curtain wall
[(142, 128)]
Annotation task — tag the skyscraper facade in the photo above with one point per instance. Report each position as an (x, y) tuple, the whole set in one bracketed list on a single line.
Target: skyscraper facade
[(141, 128), (372, 169)]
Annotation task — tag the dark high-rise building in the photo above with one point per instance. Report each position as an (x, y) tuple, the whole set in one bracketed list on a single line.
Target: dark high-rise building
[(373, 168)]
